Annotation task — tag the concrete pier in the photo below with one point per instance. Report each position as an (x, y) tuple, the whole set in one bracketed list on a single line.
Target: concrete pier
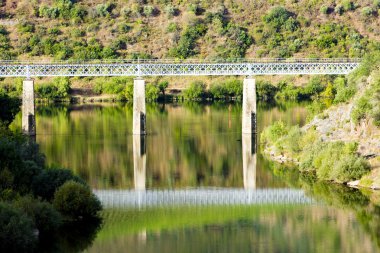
[(139, 113), (139, 161), (249, 160), (249, 106), (28, 108)]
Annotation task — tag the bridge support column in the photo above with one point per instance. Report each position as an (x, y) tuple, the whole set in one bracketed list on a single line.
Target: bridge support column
[(249, 106), (139, 161), (28, 108), (249, 160), (139, 114)]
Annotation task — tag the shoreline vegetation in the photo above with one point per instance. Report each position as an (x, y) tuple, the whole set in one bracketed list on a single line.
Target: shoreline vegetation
[(341, 142), (120, 89), (41, 208)]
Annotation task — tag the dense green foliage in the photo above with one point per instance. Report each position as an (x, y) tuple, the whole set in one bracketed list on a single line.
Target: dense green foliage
[(76, 201), (58, 88), (17, 231), (12, 107), (195, 92), (24, 181), (333, 161), (368, 104)]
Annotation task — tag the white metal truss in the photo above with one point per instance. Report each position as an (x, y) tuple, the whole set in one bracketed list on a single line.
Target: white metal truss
[(179, 68)]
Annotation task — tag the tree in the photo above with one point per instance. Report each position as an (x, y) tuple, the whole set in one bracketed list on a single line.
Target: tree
[(76, 201), (162, 87), (17, 231)]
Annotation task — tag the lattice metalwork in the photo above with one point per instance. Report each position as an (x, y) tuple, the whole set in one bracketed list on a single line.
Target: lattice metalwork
[(179, 68)]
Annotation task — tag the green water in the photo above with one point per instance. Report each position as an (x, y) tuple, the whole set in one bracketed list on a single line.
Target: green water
[(200, 145)]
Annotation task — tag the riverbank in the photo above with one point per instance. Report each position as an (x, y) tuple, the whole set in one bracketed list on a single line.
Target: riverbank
[(342, 142)]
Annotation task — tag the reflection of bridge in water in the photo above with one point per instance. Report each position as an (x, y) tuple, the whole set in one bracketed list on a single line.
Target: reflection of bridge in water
[(199, 197), (140, 197)]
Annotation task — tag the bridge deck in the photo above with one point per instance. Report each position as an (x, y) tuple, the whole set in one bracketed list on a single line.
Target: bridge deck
[(178, 68), (149, 198)]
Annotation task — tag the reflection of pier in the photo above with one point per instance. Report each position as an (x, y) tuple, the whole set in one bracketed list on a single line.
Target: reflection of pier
[(199, 197), (139, 161), (249, 160)]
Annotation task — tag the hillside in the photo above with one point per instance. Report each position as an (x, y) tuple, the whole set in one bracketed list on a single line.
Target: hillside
[(88, 29)]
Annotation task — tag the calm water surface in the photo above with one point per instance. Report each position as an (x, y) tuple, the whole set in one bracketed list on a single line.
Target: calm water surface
[(199, 146)]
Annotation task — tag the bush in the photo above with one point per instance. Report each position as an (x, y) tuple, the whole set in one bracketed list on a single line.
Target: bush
[(45, 218), (170, 11), (234, 88), (49, 180), (265, 91), (149, 10), (367, 11), (76, 201), (57, 89), (277, 17), (274, 132), (343, 92), (151, 92), (324, 9), (186, 45), (362, 109), (349, 168), (195, 91), (218, 91), (17, 231), (162, 86), (10, 107)]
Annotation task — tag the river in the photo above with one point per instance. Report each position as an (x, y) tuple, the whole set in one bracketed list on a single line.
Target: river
[(195, 148)]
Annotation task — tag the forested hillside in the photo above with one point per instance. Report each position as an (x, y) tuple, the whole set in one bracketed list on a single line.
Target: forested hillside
[(94, 29)]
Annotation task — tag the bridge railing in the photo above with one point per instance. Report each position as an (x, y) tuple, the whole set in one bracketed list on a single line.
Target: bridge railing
[(183, 61)]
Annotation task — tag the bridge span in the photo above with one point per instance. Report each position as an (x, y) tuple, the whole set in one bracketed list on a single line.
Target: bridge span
[(200, 197), (141, 68), (242, 67)]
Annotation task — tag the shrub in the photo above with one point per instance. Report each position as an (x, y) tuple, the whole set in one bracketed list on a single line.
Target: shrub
[(324, 9), (265, 91), (367, 11), (218, 91), (151, 92), (343, 92), (44, 216), (348, 5), (195, 91), (349, 168), (57, 89), (170, 11), (149, 10), (49, 180), (234, 88), (186, 44), (339, 10), (362, 109), (162, 86), (129, 92), (76, 201), (277, 17), (17, 231), (10, 107), (274, 132)]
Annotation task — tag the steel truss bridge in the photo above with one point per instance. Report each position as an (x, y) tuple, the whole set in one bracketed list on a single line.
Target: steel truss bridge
[(200, 197), (244, 67)]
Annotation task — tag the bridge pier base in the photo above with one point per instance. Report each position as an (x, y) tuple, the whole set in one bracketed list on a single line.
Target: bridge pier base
[(28, 108), (249, 106), (139, 161), (139, 114), (249, 160)]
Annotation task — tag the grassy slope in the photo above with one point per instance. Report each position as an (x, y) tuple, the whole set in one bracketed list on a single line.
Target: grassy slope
[(150, 35)]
